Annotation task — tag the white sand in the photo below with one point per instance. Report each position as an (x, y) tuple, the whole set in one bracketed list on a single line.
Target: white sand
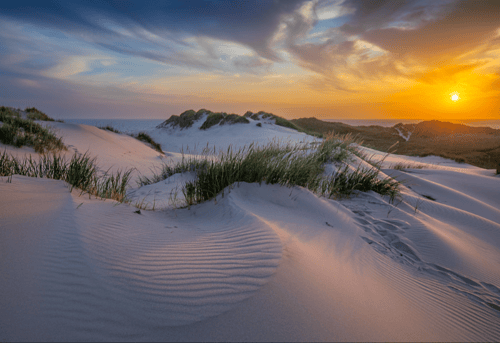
[(262, 263)]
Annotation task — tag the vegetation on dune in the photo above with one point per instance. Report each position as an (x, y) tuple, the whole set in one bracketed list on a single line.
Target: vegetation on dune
[(35, 114), (109, 128), (144, 137), (464, 144), (234, 119), (290, 165), (19, 132), (212, 119), (80, 172), (187, 119), (186, 165), (344, 183), (184, 120), (276, 163), (222, 118), (281, 122)]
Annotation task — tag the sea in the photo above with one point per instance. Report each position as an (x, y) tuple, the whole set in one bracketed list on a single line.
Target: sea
[(136, 125)]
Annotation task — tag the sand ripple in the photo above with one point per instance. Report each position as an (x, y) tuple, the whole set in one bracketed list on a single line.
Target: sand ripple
[(113, 270)]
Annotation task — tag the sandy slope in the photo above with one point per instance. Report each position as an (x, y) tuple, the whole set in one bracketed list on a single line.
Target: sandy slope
[(261, 263)]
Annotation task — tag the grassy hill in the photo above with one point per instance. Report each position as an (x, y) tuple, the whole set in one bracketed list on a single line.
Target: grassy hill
[(462, 143)]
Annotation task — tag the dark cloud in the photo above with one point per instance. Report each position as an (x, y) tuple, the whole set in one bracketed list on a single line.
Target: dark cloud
[(251, 23)]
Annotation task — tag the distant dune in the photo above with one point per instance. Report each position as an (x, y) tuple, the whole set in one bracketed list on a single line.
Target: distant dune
[(479, 146)]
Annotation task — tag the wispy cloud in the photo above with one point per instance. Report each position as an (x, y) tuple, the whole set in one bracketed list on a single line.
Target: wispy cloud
[(312, 50)]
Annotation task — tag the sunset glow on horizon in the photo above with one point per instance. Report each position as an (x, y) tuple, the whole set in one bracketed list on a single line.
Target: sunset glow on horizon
[(328, 59)]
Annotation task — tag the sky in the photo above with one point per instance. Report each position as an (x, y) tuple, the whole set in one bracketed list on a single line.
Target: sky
[(335, 59)]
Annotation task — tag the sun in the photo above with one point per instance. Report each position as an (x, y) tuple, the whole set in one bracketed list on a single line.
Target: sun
[(454, 96)]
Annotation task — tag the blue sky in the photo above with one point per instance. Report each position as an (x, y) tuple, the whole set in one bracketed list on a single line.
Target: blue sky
[(329, 59)]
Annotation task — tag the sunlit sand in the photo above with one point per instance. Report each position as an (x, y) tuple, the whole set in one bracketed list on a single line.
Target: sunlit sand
[(261, 262)]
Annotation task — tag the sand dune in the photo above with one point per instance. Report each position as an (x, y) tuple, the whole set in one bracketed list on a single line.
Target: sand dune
[(262, 262)]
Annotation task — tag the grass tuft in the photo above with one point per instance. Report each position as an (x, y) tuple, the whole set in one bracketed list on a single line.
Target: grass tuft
[(144, 137), (18, 132), (36, 114), (185, 120), (281, 122), (109, 128), (212, 119), (80, 172), (223, 118), (344, 182), (280, 163)]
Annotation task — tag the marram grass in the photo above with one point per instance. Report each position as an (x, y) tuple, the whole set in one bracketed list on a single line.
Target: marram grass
[(80, 172), (19, 132), (280, 163)]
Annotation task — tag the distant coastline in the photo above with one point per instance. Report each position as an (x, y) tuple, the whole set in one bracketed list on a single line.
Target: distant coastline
[(494, 124), (127, 125)]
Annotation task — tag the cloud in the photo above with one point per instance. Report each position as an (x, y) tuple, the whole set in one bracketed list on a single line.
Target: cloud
[(251, 64), (110, 22), (453, 29), (384, 39)]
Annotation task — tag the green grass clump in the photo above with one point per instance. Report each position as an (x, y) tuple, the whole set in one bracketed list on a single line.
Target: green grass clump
[(144, 137), (222, 118), (80, 172), (281, 122), (187, 119), (184, 120), (344, 182), (36, 114), (109, 128), (276, 163), (186, 165), (234, 119), (18, 132), (212, 119), (287, 166)]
